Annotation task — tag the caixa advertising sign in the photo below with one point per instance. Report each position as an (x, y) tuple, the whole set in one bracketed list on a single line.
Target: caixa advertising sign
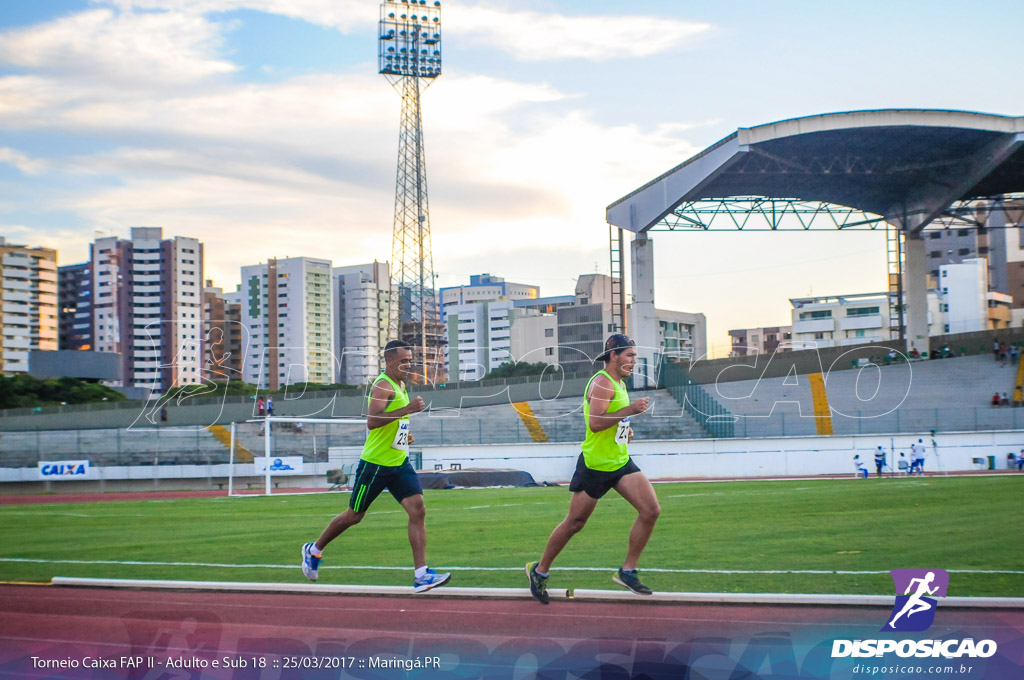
[(65, 469)]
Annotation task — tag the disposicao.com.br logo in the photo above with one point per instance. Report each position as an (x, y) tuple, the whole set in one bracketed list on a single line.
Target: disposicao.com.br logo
[(914, 611)]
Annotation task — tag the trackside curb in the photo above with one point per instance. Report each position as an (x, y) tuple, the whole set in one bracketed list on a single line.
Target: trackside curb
[(818, 599)]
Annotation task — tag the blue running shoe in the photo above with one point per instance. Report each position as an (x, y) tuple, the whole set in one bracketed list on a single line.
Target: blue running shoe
[(538, 583), (310, 562), (630, 580), (430, 580)]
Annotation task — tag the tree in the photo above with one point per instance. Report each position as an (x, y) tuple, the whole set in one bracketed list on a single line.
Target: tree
[(25, 391), (515, 369)]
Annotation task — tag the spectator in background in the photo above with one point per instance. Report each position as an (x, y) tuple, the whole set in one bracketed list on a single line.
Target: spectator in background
[(270, 406), (879, 460), (1013, 354), (917, 457), (1020, 461), (259, 407), (1005, 400), (995, 348), (995, 399)]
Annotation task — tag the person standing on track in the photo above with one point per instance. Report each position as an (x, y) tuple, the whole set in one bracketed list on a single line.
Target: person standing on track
[(605, 464), (385, 465)]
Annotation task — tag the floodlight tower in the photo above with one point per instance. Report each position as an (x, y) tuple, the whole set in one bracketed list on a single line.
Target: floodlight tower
[(410, 52)]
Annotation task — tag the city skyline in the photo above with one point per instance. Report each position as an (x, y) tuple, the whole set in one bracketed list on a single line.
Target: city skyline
[(263, 130)]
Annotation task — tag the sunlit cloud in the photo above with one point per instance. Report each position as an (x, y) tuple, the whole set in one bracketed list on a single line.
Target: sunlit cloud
[(535, 36)]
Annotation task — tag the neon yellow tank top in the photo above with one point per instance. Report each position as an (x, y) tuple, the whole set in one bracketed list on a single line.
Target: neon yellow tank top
[(389, 445), (606, 450)]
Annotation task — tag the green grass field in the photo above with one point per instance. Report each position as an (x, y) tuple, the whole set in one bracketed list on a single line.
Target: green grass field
[(873, 525)]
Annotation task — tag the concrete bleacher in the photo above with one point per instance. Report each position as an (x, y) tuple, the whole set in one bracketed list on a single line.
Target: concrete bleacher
[(143, 446), (562, 419), (494, 424), (952, 394)]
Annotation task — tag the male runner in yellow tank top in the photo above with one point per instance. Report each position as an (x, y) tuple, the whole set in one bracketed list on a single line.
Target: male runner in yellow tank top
[(605, 464), (385, 465)]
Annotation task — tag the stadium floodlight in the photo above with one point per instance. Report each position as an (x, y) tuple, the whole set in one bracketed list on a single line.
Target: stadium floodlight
[(409, 56), (409, 40)]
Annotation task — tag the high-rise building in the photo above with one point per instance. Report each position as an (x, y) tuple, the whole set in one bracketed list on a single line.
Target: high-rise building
[(997, 241), (479, 338), (224, 336), (28, 285), (486, 288), (584, 326), (287, 307), (967, 304), (74, 298), (479, 319), (362, 299), (147, 306), (534, 336)]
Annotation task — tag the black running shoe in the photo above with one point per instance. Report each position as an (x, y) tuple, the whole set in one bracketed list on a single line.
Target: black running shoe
[(630, 580), (538, 583)]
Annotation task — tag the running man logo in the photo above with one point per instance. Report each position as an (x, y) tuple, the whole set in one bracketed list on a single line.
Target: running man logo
[(914, 610)]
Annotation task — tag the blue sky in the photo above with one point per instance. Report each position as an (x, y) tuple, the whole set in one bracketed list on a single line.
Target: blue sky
[(262, 128)]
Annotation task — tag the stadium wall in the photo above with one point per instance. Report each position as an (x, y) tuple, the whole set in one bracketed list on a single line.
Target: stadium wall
[(673, 459), (739, 458)]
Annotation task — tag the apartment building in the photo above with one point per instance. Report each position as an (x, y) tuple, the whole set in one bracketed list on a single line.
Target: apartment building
[(147, 306), (287, 306), (756, 341), (362, 299), (224, 337), (28, 285), (74, 299)]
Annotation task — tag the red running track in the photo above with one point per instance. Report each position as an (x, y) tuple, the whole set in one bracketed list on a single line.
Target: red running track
[(468, 638)]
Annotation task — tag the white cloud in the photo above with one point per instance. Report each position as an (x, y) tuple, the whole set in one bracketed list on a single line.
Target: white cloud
[(527, 35), (29, 166), (344, 15), (535, 36), (101, 45)]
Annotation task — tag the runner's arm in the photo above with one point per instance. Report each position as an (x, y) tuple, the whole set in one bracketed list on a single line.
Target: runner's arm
[(380, 397), (601, 392)]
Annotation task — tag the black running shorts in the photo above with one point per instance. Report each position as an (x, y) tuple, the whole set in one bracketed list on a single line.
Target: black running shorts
[(372, 479), (595, 482)]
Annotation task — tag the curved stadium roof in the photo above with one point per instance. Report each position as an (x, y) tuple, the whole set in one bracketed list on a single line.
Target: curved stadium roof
[(906, 165)]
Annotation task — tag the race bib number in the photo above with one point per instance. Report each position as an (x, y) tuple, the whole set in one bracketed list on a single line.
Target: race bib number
[(622, 432), (402, 436)]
